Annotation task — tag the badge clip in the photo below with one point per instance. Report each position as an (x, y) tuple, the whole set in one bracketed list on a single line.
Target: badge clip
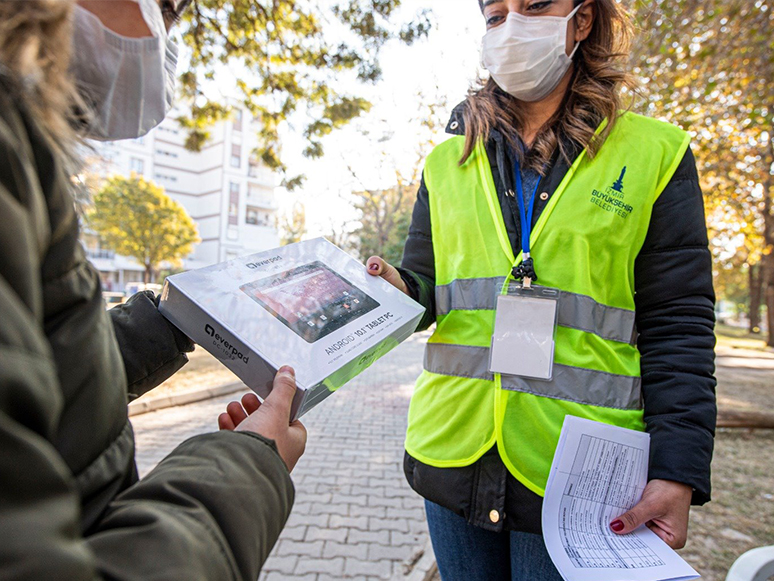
[(525, 272)]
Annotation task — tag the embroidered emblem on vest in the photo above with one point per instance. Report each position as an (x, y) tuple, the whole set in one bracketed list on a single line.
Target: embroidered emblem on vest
[(612, 199)]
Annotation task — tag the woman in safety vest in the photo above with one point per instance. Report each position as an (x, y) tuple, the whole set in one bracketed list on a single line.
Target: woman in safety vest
[(547, 184)]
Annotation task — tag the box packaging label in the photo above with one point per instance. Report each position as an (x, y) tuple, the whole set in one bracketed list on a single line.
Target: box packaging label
[(309, 305)]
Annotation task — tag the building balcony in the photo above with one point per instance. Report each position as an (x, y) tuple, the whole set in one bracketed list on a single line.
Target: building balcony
[(100, 253), (261, 200)]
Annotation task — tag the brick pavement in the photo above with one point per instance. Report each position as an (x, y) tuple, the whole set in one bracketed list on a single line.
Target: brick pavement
[(354, 516)]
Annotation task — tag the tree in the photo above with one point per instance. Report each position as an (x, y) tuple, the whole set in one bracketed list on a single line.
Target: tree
[(292, 226), (385, 220), (290, 56), (342, 237), (134, 217), (385, 214), (709, 66)]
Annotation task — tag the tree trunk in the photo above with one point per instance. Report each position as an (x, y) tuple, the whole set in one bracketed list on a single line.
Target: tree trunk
[(768, 239), (745, 419), (767, 275), (147, 279), (756, 297), (770, 311)]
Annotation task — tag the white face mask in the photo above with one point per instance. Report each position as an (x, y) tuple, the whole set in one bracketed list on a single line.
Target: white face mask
[(128, 82), (526, 55)]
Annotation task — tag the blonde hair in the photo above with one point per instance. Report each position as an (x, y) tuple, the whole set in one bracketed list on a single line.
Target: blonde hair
[(35, 40), (594, 94)]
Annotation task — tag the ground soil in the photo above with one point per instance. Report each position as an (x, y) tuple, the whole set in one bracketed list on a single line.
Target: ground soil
[(741, 514)]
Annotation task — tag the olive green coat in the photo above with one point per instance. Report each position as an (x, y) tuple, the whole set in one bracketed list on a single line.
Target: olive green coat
[(71, 506)]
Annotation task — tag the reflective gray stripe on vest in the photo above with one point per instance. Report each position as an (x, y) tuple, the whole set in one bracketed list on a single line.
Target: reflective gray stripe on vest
[(575, 311), (574, 384)]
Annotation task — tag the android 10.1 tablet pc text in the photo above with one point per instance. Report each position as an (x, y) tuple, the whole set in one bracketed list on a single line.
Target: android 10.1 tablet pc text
[(308, 305)]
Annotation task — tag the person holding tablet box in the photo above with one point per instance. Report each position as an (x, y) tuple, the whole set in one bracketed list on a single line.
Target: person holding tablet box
[(556, 224), (71, 504)]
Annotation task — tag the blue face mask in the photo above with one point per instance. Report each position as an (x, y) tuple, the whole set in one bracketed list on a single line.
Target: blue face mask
[(128, 83)]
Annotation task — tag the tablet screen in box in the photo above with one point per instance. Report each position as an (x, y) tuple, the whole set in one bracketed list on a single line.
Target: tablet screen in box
[(311, 300)]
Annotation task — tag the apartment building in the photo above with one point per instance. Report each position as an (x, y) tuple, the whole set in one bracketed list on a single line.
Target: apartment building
[(229, 194)]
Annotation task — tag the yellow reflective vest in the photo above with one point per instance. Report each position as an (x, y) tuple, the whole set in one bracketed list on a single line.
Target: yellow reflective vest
[(584, 244)]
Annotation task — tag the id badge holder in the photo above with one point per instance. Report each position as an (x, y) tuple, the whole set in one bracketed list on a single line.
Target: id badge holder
[(525, 332)]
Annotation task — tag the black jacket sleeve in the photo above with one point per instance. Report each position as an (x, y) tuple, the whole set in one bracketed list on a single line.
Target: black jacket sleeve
[(418, 266), (151, 347), (675, 321)]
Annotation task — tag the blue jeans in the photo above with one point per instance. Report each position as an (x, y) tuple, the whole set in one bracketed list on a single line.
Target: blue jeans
[(468, 553)]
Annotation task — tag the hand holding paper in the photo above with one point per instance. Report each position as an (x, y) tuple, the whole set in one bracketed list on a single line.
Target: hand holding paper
[(664, 508), (599, 473)]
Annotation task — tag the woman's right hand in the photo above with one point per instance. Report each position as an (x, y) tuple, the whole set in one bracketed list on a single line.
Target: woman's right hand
[(378, 267)]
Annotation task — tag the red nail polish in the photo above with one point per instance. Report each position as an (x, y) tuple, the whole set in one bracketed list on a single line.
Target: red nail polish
[(374, 267), (617, 526)]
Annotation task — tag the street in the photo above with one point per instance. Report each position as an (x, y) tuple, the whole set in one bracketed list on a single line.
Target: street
[(354, 516)]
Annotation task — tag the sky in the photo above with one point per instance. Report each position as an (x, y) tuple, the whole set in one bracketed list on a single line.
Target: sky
[(443, 67)]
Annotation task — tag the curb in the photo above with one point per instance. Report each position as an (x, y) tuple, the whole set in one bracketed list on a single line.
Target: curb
[(143, 406)]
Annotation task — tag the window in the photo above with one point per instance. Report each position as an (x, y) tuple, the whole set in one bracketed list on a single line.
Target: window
[(137, 165), (252, 216), (139, 140), (233, 204), (236, 155), (257, 217), (166, 177), (166, 153), (253, 168), (237, 123)]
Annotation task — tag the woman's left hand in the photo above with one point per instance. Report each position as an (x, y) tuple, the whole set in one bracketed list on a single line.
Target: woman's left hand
[(664, 509)]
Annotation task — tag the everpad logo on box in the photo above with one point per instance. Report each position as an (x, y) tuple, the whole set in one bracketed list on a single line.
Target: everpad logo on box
[(256, 265), (223, 345)]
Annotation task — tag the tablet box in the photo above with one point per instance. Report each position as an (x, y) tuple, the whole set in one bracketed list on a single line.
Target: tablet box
[(308, 305)]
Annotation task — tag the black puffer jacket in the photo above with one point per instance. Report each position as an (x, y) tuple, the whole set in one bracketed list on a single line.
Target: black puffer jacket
[(71, 506), (675, 321)]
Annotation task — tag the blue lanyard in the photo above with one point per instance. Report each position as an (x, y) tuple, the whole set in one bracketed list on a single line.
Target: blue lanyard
[(525, 215)]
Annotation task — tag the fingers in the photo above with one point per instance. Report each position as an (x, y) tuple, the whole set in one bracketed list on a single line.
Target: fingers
[(237, 412), (251, 403), (665, 536), (632, 519), (378, 267), (281, 397), (375, 265), (225, 422)]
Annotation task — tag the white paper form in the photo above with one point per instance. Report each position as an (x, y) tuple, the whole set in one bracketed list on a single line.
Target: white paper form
[(598, 473)]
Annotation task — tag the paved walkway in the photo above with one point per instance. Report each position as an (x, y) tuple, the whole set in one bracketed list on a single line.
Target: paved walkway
[(354, 517)]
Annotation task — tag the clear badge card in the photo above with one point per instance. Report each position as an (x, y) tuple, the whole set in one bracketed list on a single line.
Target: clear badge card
[(524, 334)]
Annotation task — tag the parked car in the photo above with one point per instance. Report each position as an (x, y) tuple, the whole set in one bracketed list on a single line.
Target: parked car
[(133, 288), (112, 299)]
